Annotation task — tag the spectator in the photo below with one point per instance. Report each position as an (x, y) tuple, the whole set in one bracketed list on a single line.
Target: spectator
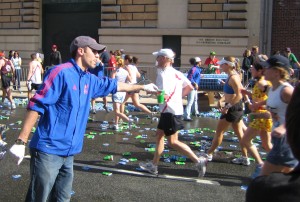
[(55, 56), (211, 64), (105, 58), (276, 52), (295, 65), (282, 186), (10, 54), (112, 61), (122, 53), (199, 64), (17, 61), (99, 72), (176, 86), (194, 75), (254, 54), (62, 104), (246, 66), (292, 58)]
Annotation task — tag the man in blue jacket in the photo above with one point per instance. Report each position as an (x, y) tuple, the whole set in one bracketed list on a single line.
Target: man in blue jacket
[(62, 103), (194, 75)]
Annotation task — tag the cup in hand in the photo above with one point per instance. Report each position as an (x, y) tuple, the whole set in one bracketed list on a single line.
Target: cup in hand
[(161, 97)]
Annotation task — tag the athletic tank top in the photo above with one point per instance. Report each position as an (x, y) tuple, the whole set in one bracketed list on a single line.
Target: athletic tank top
[(227, 88), (134, 71), (276, 105), (121, 75)]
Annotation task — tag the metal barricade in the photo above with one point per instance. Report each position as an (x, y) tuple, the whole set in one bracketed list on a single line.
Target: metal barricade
[(212, 82), (24, 74)]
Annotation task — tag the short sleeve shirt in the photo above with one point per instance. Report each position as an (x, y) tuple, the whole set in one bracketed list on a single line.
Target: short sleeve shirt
[(172, 82)]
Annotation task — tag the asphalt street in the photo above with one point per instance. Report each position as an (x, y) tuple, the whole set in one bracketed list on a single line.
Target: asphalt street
[(223, 181)]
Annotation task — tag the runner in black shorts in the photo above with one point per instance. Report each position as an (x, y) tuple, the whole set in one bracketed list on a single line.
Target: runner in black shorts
[(170, 123), (176, 86), (234, 113), (35, 86), (5, 80)]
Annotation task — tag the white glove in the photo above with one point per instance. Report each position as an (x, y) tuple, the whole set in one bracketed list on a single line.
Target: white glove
[(151, 88), (18, 152)]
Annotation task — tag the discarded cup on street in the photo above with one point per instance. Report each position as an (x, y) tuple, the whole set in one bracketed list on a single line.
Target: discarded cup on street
[(16, 177), (108, 158), (107, 173)]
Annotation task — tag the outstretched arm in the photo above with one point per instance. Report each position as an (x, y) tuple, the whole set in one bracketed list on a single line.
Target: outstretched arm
[(125, 87)]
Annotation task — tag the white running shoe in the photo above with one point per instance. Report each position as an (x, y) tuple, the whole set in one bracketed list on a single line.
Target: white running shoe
[(13, 106), (130, 123), (116, 127), (209, 157), (201, 166), (241, 161), (149, 167)]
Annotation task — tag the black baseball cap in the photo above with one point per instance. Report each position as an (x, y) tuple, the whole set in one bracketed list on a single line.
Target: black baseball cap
[(277, 61)]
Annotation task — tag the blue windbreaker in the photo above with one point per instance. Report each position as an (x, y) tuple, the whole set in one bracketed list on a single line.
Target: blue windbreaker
[(194, 75), (63, 102)]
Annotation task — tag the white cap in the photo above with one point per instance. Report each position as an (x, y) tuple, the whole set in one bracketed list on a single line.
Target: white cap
[(198, 59), (223, 61), (165, 52)]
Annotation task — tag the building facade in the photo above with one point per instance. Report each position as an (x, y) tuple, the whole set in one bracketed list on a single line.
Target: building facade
[(190, 27)]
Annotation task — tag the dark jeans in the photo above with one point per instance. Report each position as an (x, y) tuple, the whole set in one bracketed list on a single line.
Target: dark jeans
[(17, 83), (51, 177)]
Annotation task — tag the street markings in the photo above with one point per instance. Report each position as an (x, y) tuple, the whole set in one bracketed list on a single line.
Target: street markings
[(169, 177)]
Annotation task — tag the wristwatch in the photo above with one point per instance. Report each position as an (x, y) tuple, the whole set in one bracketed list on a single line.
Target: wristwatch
[(20, 142)]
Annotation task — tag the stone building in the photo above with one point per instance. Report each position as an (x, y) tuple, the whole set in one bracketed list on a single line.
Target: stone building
[(190, 27)]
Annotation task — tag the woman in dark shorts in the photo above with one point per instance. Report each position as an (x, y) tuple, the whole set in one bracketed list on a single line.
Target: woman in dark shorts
[(232, 111)]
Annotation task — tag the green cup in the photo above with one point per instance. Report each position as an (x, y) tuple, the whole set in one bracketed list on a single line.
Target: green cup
[(161, 97)]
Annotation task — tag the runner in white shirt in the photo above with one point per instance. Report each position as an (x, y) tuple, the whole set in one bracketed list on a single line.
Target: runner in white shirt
[(34, 77), (176, 86)]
